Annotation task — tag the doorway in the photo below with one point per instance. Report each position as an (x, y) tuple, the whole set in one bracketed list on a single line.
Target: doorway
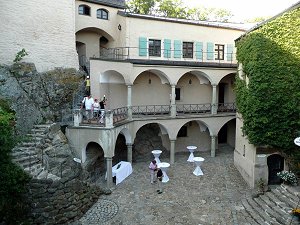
[(275, 164)]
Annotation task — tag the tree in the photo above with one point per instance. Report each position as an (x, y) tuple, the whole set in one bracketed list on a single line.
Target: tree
[(141, 6)]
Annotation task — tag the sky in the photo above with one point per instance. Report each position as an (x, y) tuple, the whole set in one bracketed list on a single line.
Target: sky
[(243, 10)]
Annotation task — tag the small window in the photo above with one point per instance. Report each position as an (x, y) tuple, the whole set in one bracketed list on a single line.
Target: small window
[(154, 47), (177, 93), (187, 49), (84, 10), (102, 14), (219, 52), (182, 132)]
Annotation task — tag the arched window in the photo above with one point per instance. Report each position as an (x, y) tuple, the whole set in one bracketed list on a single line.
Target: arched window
[(102, 14), (84, 10)]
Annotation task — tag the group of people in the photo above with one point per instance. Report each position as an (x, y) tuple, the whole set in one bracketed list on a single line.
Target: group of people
[(93, 108), (154, 168)]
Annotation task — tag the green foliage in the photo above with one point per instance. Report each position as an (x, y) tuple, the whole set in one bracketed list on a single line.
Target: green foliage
[(270, 100), (12, 178), (20, 55), (176, 9)]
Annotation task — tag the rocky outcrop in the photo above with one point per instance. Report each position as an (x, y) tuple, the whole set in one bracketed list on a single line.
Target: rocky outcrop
[(39, 97)]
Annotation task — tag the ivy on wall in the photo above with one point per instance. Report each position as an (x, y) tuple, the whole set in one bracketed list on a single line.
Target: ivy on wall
[(270, 100)]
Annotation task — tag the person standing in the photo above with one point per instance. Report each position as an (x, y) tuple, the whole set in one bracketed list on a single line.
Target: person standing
[(159, 175), (88, 103), (102, 109), (153, 168), (88, 85)]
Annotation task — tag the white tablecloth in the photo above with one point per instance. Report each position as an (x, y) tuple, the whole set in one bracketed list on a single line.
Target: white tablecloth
[(122, 172)]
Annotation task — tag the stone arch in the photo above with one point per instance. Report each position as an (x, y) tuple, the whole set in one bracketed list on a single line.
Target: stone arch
[(96, 30), (225, 89), (164, 79), (127, 135), (95, 162), (111, 76), (226, 133)]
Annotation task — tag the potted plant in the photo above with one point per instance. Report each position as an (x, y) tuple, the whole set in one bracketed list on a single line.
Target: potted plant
[(296, 213), (288, 177)]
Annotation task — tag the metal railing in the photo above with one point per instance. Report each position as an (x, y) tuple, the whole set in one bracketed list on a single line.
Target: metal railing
[(226, 107), (123, 53), (150, 110), (120, 114), (193, 108)]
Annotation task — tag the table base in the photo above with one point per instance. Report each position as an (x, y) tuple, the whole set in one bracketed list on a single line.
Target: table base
[(198, 171)]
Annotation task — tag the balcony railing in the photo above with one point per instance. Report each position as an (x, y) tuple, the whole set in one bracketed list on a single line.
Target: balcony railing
[(120, 114), (125, 53), (150, 110), (193, 108), (226, 107)]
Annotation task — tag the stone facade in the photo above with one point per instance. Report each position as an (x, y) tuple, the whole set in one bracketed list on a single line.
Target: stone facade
[(45, 29)]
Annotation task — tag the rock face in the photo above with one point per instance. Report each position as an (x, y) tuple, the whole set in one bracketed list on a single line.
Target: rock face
[(39, 97)]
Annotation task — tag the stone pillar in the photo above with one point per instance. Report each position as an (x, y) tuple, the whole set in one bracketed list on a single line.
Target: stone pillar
[(129, 153), (214, 105), (172, 151), (77, 117), (109, 171), (129, 103), (213, 146), (109, 119), (173, 104)]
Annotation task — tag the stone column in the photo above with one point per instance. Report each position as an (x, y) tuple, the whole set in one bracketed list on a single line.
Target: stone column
[(129, 153), (109, 171), (172, 151), (129, 103), (213, 146), (173, 104), (77, 117), (214, 105)]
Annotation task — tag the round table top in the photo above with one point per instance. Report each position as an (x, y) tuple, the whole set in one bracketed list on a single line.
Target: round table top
[(191, 147), (163, 165), (198, 159), (156, 151)]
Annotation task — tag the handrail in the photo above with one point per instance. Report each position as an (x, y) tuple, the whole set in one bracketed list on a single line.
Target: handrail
[(120, 114), (227, 107), (150, 110), (193, 108)]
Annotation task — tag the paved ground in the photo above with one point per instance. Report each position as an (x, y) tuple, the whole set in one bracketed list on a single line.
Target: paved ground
[(213, 198)]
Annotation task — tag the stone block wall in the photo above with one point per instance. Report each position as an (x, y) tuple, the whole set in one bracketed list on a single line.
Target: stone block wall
[(61, 201)]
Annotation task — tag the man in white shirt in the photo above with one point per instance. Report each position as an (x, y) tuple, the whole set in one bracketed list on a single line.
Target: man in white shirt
[(88, 103)]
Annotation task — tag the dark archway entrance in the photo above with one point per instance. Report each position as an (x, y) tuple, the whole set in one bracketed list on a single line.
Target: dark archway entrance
[(275, 165), (95, 161), (120, 150)]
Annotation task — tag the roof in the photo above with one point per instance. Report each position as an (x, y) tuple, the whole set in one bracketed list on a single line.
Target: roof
[(295, 6), (113, 3), (233, 26)]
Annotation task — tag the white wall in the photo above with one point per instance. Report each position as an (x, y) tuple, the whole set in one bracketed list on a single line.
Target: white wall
[(45, 29)]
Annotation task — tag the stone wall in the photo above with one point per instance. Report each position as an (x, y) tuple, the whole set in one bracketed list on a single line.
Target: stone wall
[(45, 29), (39, 97), (62, 201)]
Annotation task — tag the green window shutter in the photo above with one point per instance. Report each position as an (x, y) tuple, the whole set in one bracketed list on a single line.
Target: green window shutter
[(167, 48), (199, 50), (210, 51), (142, 46), (177, 49), (229, 52)]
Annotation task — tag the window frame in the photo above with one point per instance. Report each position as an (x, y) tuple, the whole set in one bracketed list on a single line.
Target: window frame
[(187, 49), (219, 52), (102, 14), (84, 10), (154, 50)]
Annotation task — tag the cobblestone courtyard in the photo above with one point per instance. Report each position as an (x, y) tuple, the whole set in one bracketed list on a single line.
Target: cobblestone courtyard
[(214, 198)]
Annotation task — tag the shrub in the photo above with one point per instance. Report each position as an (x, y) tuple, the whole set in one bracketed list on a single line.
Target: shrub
[(288, 177)]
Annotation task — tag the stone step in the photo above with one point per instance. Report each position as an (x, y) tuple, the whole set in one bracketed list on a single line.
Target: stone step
[(30, 163), (267, 206), (23, 150), (293, 198), (253, 213), (245, 218), (261, 211), (38, 135), (35, 170), (24, 158), (281, 196), (38, 131), (42, 125), (281, 205), (28, 144)]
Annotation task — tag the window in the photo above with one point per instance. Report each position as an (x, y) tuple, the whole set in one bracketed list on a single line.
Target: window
[(102, 14), (154, 47), (219, 49), (182, 132), (187, 49), (177, 93), (84, 10)]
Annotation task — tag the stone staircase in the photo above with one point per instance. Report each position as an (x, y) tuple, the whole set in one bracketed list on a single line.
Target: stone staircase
[(273, 207), (29, 153)]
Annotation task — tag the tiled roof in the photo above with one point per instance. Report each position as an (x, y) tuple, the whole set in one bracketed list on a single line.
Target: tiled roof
[(113, 3)]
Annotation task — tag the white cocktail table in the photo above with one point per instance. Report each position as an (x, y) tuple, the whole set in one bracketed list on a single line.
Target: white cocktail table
[(198, 161), (156, 154), (191, 149), (164, 166)]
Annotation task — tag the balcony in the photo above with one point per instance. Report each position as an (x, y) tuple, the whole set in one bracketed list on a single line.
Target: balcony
[(119, 116)]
